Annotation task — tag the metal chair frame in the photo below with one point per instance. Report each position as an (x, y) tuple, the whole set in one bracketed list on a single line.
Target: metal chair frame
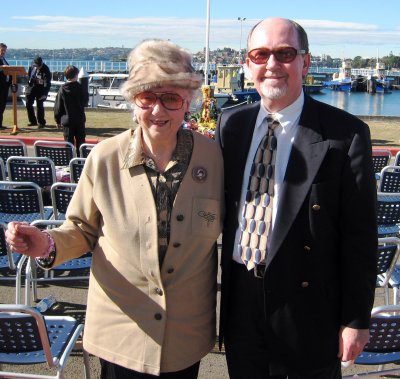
[(61, 194), (28, 338), (31, 278), (60, 152), (3, 175), (85, 149), (383, 346), (75, 168), (11, 262), (22, 201), (397, 159)]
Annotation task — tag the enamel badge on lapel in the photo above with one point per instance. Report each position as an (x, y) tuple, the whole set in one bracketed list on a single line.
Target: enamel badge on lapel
[(199, 174)]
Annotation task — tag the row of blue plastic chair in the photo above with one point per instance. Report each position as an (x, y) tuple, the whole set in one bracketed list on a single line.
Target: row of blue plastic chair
[(61, 152), (40, 170)]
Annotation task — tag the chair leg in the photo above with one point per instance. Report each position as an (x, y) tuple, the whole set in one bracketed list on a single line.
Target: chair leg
[(395, 295), (86, 363), (18, 280)]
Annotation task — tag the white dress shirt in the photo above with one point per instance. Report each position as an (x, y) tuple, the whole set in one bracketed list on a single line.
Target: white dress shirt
[(285, 134)]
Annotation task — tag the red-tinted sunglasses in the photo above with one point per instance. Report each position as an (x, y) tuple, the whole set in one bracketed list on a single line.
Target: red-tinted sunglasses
[(284, 54)]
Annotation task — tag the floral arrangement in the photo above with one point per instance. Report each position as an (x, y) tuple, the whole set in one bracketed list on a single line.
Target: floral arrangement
[(205, 120)]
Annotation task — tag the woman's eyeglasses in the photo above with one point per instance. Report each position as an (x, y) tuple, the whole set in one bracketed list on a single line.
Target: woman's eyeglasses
[(285, 54), (169, 100)]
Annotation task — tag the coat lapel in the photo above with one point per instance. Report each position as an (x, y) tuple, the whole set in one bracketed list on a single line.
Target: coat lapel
[(308, 152), (240, 136)]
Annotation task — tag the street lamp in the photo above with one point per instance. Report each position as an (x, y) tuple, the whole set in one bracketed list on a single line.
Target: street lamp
[(241, 19)]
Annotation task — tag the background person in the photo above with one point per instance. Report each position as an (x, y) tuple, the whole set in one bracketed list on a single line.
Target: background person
[(307, 303), (69, 108), (149, 205), (5, 82), (39, 83)]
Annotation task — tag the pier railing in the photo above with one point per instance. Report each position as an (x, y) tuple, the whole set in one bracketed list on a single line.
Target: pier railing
[(110, 66)]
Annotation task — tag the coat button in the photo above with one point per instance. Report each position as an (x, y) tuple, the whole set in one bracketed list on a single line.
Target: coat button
[(316, 207), (158, 316), (159, 291), (180, 217), (170, 270), (176, 244), (307, 248), (305, 284)]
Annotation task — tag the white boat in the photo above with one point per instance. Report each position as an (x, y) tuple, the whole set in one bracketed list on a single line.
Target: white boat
[(104, 91), (51, 96)]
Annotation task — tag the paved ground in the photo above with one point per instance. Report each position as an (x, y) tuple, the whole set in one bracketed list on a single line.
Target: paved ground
[(71, 297)]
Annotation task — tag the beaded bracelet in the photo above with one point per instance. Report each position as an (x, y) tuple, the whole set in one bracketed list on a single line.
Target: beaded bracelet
[(50, 248)]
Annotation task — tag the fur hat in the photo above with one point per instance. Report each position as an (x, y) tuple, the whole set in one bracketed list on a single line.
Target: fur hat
[(157, 63)]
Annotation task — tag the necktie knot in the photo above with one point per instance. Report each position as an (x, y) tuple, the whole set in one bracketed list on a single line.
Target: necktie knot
[(272, 121)]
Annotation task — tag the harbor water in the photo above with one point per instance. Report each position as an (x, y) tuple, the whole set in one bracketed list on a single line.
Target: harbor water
[(362, 103)]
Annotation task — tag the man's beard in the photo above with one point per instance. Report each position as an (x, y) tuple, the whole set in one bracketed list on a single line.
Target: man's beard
[(273, 93)]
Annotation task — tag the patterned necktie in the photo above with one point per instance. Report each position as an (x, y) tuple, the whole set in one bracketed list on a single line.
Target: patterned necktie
[(257, 210)]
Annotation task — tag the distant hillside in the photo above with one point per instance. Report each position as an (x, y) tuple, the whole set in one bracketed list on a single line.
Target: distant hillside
[(106, 53)]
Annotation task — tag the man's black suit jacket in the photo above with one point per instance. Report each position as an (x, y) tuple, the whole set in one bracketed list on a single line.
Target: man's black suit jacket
[(321, 266)]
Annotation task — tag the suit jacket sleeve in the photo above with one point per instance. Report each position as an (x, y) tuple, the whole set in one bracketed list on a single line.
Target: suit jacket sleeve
[(359, 230)]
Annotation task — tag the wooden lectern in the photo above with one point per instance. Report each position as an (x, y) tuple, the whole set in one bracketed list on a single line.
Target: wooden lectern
[(13, 71)]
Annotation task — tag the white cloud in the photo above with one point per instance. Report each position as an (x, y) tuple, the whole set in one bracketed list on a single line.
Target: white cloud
[(189, 32)]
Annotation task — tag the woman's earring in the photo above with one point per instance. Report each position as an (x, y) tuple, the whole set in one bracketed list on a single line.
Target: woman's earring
[(186, 117)]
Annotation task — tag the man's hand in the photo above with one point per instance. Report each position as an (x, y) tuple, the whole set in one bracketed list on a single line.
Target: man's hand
[(42, 98), (351, 342)]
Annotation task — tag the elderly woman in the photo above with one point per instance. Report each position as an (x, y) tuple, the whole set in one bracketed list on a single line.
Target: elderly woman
[(149, 206)]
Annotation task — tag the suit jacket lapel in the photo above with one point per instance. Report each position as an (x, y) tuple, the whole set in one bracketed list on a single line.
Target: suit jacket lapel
[(239, 144), (307, 154)]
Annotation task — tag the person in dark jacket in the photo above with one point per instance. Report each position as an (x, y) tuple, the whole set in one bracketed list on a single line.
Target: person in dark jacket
[(39, 82), (5, 82), (69, 109)]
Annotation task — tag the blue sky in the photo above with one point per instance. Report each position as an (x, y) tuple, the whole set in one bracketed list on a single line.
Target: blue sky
[(341, 28)]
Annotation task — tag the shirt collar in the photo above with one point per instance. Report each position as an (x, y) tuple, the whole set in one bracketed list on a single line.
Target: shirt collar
[(288, 117), (135, 155)]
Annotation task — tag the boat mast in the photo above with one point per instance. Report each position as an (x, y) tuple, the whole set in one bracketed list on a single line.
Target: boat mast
[(206, 68)]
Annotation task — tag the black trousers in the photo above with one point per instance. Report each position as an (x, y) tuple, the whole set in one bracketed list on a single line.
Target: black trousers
[(75, 135), (245, 335), (35, 94), (112, 371), (3, 100)]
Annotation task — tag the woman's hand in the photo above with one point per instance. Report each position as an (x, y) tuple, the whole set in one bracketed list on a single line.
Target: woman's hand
[(26, 239)]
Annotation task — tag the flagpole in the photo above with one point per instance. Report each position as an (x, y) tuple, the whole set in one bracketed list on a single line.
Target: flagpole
[(206, 68)]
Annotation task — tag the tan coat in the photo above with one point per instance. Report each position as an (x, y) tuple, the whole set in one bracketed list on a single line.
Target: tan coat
[(137, 316)]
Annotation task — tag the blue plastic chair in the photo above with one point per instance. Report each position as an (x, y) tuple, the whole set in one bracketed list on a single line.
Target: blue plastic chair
[(61, 195), (75, 168), (387, 255), (383, 346), (22, 201), (28, 338), (388, 214), (389, 180), (380, 159), (60, 152)]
